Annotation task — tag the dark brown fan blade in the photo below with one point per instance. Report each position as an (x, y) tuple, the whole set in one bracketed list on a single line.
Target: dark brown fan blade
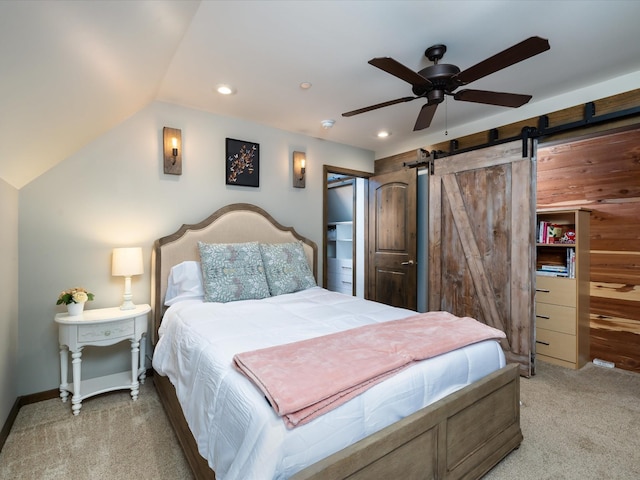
[(378, 105), (425, 116), (523, 50), (396, 69), (492, 98)]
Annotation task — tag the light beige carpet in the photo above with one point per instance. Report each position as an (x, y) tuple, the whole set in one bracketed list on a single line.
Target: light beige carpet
[(577, 424), (582, 425), (112, 438)]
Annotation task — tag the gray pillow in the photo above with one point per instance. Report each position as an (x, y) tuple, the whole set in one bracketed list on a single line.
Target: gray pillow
[(286, 267), (232, 271)]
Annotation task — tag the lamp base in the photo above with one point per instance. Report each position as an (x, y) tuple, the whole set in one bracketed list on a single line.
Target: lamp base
[(127, 305)]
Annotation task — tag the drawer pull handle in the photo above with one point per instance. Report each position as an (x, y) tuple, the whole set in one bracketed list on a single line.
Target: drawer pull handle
[(542, 343), (542, 290), (410, 262), (346, 268), (346, 283), (546, 317)]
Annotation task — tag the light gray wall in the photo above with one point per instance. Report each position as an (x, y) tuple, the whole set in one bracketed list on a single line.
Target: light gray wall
[(114, 193), (8, 298)]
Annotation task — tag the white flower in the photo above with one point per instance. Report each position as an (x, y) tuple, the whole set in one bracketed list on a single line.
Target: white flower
[(80, 297)]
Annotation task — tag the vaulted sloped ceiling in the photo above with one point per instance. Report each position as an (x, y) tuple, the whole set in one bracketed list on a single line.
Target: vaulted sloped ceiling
[(71, 70)]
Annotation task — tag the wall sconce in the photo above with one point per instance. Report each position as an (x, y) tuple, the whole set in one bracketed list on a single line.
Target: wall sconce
[(127, 262), (299, 169), (172, 150)]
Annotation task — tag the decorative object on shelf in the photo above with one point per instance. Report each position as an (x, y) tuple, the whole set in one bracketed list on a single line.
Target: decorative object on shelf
[(172, 150), (74, 299), (127, 262), (242, 165), (299, 169)]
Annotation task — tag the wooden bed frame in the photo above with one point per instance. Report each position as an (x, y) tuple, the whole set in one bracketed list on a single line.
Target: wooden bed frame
[(462, 436)]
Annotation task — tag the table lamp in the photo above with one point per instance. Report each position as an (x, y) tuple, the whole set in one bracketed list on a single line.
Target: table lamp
[(126, 263)]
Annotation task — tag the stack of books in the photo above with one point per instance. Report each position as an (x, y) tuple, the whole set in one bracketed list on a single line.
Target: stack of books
[(553, 271)]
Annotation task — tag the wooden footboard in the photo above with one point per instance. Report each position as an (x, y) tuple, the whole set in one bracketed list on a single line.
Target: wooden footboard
[(462, 436)]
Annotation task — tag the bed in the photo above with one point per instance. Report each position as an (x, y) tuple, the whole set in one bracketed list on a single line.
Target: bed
[(467, 426)]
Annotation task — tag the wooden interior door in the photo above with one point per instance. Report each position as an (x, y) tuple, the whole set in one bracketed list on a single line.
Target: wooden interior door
[(392, 238), (481, 243)]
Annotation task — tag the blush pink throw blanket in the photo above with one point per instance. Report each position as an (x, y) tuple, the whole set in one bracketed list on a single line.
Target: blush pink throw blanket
[(303, 380)]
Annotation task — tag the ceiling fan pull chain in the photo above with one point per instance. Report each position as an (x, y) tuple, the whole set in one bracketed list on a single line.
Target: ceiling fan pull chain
[(446, 117)]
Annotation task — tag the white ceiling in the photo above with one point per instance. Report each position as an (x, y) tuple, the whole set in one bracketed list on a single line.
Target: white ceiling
[(71, 70)]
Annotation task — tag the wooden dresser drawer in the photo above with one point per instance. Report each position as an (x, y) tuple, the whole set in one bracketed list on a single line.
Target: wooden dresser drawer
[(555, 344), (107, 331), (558, 318), (559, 291)]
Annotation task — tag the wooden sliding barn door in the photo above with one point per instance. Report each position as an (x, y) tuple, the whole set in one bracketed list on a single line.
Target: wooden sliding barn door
[(481, 250)]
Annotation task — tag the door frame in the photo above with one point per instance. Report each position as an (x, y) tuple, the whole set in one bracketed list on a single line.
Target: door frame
[(326, 170)]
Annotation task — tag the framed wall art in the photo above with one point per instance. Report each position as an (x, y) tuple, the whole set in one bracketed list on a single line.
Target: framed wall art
[(242, 165)]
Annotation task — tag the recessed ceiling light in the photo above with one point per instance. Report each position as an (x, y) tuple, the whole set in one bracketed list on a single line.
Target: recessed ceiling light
[(326, 124), (224, 89), (305, 85), (383, 134)]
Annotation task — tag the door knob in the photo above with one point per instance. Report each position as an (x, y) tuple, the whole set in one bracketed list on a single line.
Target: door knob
[(410, 262)]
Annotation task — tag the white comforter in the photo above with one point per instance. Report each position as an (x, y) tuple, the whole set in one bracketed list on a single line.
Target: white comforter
[(236, 429)]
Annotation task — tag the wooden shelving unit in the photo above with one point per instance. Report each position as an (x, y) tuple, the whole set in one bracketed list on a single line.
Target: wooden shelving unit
[(340, 257), (562, 297)]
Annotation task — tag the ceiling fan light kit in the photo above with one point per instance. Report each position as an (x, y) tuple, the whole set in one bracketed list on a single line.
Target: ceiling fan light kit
[(436, 81)]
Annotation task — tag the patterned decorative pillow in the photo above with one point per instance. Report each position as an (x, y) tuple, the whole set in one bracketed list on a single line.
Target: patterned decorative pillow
[(232, 271), (286, 267)]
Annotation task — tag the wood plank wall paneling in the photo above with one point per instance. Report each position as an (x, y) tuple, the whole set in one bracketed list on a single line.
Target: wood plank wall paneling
[(600, 172), (603, 173)]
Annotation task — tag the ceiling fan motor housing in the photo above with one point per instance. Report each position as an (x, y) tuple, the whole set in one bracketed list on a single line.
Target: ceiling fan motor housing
[(439, 76)]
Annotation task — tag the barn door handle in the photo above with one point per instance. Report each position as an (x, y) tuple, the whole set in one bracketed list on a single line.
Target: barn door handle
[(410, 262)]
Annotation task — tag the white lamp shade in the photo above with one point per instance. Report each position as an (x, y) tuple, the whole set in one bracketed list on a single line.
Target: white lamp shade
[(127, 262)]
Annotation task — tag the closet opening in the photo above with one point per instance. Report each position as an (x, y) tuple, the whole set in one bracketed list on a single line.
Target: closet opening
[(345, 225)]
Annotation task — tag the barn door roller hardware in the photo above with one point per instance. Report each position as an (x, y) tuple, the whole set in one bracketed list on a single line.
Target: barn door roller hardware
[(543, 129)]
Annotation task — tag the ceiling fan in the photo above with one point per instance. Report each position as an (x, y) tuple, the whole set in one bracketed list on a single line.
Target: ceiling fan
[(440, 79)]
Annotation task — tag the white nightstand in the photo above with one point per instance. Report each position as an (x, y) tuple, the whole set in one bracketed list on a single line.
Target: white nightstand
[(101, 327)]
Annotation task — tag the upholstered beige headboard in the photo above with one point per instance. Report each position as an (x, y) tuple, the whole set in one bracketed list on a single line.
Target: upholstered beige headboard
[(236, 223)]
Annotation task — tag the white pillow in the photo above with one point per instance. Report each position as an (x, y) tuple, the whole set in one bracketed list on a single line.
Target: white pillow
[(185, 283)]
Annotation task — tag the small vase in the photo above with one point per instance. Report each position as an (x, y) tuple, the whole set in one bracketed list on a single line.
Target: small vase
[(75, 308)]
